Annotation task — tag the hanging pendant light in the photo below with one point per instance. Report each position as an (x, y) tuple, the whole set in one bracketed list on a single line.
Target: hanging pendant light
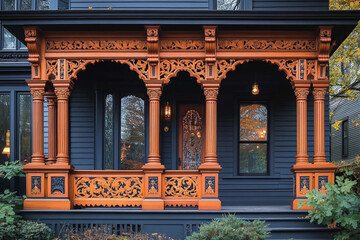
[(255, 89), (167, 111)]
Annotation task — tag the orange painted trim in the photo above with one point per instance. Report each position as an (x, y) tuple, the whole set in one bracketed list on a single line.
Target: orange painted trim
[(295, 202), (55, 204), (209, 204)]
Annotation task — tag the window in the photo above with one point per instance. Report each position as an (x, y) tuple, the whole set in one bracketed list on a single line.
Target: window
[(253, 139), (345, 137), (15, 140), (234, 4), (123, 132), (9, 42)]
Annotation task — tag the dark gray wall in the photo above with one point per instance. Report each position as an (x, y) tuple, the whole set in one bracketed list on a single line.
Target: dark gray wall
[(345, 109)]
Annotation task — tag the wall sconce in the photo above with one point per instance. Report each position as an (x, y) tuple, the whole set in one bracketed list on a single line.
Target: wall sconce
[(6, 149), (167, 111), (255, 89)]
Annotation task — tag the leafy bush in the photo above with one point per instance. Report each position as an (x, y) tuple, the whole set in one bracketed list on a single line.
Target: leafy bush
[(231, 228), (340, 207), (11, 169), (24, 230)]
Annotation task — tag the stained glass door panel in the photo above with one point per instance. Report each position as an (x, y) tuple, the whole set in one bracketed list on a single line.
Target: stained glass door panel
[(191, 136)]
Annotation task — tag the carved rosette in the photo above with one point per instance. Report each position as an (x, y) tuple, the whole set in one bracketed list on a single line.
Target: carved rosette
[(301, 93), (319, 93), (62, 94), (154, 94), (152, 33), (37, 94), (211, 93)]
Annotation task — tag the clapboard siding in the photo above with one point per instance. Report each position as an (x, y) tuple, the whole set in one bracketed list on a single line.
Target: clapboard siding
[(82, 128), (140, 4), (290, 5)]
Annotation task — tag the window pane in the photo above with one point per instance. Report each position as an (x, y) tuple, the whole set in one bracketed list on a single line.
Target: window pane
[(253, 122), (26, 4), (109, 133), (44, 4), (22, 46), (253, 159), (9, 40), (229, 4), (24, 128), (9, 5), (4, 128), (132, 133)]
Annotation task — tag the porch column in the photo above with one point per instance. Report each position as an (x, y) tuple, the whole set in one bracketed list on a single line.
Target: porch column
[(51, 103), (319, 124), (154, 94), (301, 93), (62, 91), (37, 92)]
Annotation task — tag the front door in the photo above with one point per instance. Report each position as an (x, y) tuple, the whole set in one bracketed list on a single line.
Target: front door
[(191, 135)]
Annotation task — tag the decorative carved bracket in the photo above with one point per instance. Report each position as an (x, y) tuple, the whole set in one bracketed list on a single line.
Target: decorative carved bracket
[(153, 51), (169, 69), (324, 41), (210, 51), (33, 45)]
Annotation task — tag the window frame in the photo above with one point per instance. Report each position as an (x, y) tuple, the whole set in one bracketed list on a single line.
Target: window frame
[(345, 152), (238, 141)]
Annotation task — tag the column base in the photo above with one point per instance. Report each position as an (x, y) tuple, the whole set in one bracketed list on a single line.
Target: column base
[(153, 166), (209, 204), (50, 204), (295, 202), (153, 204)]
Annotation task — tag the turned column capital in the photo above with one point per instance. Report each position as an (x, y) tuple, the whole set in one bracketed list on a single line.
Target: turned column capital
[(154, 93), (37, 94), (319, 93), (301, 93), (62, 93), (211, 94)]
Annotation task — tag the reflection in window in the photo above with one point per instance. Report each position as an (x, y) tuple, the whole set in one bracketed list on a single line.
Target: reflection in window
[(9, 5), (4, 128), (109, 132), (132, 133), (44, 4), (253, 139), (24, 128), (9, 40), (25, 4), (229, 4)]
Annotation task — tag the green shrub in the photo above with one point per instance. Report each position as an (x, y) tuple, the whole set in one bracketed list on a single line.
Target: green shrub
[(24, 230), (340, 207), (11, 169), (231, 228)]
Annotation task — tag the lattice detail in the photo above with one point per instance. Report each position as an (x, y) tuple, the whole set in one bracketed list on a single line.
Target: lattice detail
[(93, 45), (224, 66), (288, 65), (311, 70), (51, 68), (182, 45), (138, 65), (263, 45), (108, 187), (181, 187), (169, 68)]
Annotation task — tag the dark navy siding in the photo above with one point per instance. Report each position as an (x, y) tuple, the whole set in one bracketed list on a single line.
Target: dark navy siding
[(140, 4), (290, 5), (82, 128)]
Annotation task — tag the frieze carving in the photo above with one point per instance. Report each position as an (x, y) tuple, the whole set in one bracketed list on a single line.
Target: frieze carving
[(57, 185), (301, 93), (181, 187), (211, 93), (108, 187), (154, 93), (244, 44), (182, 45), (37, 93), (319, 93), (169, 68), (93, 45), (62, 93), (51, 68), (35, 185)]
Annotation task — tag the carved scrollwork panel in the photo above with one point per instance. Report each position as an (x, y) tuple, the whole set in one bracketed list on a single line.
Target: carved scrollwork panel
[(108, 187), (169, 68), (182, 45), (181, 187), (94, 45), (224, 66), (51, 68), (266, 45)]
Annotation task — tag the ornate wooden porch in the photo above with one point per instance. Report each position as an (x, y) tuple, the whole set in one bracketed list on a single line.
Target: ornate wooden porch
[(156, 56)]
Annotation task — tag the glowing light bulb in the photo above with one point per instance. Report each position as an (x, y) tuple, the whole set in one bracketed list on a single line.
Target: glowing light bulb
[(255, 89)]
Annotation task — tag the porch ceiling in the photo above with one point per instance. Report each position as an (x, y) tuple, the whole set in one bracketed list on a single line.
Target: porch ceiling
[(343, 21)]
